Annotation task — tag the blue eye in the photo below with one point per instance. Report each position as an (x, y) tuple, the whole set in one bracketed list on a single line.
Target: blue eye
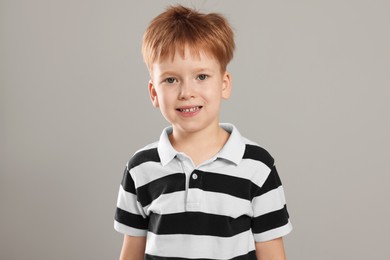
[(202, 77)]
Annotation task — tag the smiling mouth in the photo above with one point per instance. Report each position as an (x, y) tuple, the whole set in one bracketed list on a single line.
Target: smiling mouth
[(189, 110)]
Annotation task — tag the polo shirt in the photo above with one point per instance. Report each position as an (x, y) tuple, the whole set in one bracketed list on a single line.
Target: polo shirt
[(216, 210)]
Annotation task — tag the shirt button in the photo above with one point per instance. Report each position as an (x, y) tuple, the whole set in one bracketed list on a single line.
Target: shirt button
[(194, 176)]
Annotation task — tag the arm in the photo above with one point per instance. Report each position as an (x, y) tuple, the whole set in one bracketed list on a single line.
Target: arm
[(270, 250), (133, 248)]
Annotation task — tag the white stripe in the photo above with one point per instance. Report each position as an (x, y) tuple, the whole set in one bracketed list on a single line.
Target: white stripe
[(129, 230), (273, 233), (269, 202), (224, 204), (150, 171), (211, 203), (249, 169), (167, 203), (190, 246), (128, 202)]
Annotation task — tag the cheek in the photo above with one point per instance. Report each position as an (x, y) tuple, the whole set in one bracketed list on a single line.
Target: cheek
[(213, 94), (165, 98)]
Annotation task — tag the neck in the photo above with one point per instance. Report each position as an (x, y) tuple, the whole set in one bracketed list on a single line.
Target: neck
[(200, 146)]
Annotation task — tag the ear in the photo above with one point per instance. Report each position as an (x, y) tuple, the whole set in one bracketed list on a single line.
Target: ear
[(153, 94), (226, 85)]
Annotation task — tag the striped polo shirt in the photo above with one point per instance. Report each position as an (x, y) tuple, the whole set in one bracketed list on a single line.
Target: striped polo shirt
[(216, 210)]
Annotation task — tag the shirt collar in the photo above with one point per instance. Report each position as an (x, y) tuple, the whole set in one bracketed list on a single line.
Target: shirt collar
[(234, 148), (165, 148), (232, 151)]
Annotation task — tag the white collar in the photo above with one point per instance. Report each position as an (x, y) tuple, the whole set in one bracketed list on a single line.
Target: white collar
[(232, 151)]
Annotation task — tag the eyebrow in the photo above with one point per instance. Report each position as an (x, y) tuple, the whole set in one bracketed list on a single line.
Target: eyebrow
[(167, 73), (203, 69), (196, 70)]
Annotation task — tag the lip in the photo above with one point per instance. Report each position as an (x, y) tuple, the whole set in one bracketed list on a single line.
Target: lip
[(188, 111)]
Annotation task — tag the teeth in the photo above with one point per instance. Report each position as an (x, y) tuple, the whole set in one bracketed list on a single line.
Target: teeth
[(189, 110)]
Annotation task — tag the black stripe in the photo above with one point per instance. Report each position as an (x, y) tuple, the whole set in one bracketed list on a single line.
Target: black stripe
[(197, 223), (250, 256), (221, 183), (272, 182), (258, 153), (127, 182), (150, 155), (167, 184), (130, 219), (270, 220)]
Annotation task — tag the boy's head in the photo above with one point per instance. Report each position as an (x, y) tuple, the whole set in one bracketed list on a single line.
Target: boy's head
[(179, 28)]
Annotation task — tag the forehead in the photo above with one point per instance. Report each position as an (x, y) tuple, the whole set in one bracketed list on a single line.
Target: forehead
[(186, 58), (186, 52), (187, 61)]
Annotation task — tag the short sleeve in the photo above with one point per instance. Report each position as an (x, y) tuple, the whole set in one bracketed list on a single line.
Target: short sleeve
[(270, 215), (129, 216)]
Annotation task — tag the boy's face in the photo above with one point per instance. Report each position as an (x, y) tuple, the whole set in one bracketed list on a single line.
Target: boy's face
[(188, 90)]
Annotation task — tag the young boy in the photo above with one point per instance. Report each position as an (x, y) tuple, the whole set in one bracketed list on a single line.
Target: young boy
[(202, 191)]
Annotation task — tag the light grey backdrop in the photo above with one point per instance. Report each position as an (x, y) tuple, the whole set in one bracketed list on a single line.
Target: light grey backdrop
[(311, 84)]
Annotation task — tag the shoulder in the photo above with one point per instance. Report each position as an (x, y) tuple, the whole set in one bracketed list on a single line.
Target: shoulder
[(148, 153), (254, 151)]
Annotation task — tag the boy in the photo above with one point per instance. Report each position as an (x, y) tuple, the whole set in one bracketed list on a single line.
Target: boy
[(202, 191)]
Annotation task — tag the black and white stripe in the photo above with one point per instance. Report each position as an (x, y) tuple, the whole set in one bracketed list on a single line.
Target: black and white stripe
[(235, 205)]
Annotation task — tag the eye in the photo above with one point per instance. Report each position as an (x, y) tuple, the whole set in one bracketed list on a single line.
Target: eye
[(170, 80), (202, 77)]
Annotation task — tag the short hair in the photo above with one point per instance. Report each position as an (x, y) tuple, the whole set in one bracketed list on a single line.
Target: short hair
[(179, 27)]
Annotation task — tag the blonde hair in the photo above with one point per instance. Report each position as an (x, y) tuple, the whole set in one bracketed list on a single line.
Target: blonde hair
[(180, 27)]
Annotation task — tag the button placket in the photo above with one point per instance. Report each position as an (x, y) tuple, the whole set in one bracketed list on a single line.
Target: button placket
[(195, 179), (195, 193), (193, 182), (186, 167)]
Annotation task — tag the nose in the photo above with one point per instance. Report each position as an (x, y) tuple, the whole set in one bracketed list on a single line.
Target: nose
[(186, 91)]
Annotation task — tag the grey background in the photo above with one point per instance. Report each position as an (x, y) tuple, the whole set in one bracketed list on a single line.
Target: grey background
[(311, 84)]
